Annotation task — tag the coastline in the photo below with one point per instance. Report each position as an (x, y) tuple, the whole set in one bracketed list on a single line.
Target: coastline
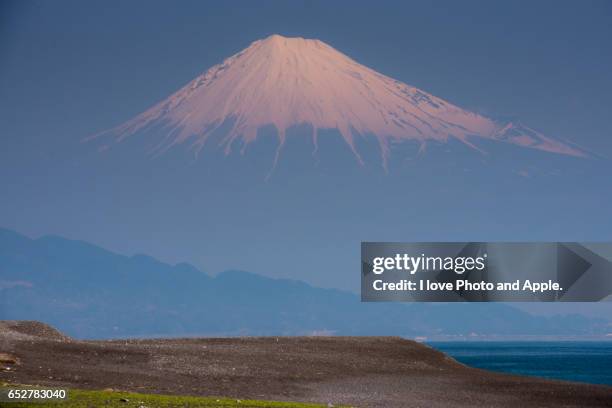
[(357, 371)]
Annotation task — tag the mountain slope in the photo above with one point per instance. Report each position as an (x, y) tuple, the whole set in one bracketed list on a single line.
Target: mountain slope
[(287, 82), (89, 292)]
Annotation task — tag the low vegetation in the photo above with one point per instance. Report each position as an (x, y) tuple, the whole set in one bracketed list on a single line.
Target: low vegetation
[(116, 399)]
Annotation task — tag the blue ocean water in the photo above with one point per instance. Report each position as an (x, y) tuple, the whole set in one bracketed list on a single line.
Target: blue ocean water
[(583, 361)]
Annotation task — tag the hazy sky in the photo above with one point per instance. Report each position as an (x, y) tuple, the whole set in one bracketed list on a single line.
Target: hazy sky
[(72, 68)]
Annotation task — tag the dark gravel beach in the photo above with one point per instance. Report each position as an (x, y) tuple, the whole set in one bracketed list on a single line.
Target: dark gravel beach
[(359, 371)]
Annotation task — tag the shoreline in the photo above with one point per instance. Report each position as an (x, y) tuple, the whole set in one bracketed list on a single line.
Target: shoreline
[(357, 371)]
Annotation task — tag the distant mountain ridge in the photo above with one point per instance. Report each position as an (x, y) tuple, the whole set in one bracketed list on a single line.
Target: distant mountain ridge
[(89, 292)]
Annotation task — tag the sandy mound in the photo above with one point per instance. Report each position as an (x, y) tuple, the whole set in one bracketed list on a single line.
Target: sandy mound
[(23, 329)]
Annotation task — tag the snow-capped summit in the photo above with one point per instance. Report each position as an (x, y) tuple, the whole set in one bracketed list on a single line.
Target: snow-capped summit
[(285, 82)]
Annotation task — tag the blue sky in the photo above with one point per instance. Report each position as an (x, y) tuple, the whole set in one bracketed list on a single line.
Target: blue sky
[(72, 68)]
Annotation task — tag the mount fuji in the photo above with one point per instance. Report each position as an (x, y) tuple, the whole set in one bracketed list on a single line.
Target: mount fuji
[(287, 155), (297, 82)]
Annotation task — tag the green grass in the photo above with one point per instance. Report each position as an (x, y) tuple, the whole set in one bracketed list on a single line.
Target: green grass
[(113, 399)]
